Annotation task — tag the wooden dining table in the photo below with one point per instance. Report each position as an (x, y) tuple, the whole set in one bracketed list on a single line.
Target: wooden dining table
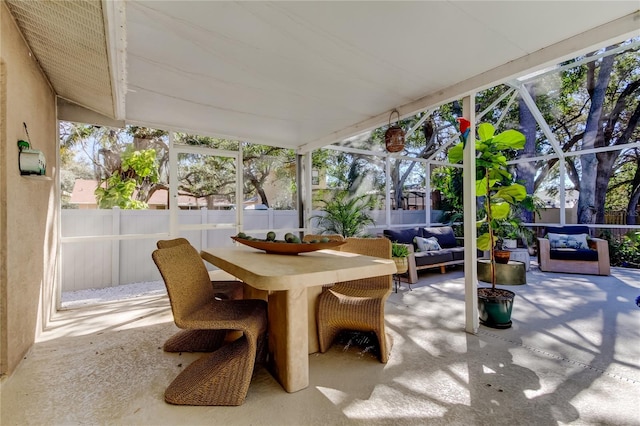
[(291, 283)]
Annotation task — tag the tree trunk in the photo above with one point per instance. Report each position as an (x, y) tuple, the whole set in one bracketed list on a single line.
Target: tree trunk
[(396, 185), (635, 197), (263, 196), (633, 206), (607, 137), (258, 185), (589, 162), (606, 161)]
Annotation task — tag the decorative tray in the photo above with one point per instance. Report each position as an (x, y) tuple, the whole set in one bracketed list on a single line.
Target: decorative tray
[(281, 247)]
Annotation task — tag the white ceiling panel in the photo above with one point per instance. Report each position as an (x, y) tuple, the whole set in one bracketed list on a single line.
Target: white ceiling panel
[(291, 73)]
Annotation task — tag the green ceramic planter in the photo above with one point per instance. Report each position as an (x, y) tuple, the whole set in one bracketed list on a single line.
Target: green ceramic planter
[(495, 308)]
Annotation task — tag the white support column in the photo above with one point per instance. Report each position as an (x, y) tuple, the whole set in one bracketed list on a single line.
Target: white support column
[(204, 218), (270, 218), (239, 194), (173, 187), (57, 281), (470, 243), (115, 247), (562, 166), (387, 191), (307, 194), (427, 193)]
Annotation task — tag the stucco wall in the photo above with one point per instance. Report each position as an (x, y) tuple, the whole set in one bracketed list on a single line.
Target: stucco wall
[(28, 239)]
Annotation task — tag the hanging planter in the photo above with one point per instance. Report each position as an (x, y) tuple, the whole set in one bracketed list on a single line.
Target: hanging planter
[(394, 136)]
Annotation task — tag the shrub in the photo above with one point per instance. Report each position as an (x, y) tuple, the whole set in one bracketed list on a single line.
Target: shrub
[(624, 251)]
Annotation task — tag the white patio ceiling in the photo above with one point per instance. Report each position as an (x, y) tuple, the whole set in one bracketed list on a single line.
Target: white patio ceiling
[(301, 74), (310, 73)]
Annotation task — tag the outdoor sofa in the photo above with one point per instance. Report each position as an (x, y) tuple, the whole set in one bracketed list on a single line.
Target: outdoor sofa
[(450, 251)]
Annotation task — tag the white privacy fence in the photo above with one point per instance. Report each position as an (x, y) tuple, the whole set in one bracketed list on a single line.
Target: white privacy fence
[(92, 258)]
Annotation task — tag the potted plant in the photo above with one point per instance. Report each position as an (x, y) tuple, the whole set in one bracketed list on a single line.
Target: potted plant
[(399, 254), (509, 231), (345, 215), (498, 192)]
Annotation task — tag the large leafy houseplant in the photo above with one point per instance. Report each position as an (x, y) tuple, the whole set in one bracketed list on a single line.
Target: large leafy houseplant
[(494, 182), (496, 188)]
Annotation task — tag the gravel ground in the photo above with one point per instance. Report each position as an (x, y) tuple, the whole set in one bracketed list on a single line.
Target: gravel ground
[(72, 299)]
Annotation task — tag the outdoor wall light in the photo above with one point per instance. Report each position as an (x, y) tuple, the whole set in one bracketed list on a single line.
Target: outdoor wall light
[(30, 161)]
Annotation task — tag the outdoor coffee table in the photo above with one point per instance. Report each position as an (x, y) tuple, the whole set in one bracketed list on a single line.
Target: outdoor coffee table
[(286, 279), (512, 273)]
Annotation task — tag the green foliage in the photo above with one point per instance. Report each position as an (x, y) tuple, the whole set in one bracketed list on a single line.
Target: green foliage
[(320, 157), (509, 229), (448, 180), (354, 173), (115, 158), (624, 251), (622, 182), (263, 164), (399, 250), (345, 215), (118, 193), (493, 181), (205, 175), (143, 164), (117, 190), (512, 227), (617, 116), (263, 167)]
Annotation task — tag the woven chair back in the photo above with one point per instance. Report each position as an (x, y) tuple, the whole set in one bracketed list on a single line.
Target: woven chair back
[(331, 237), (171, 243), (185, 277), (376, 247)]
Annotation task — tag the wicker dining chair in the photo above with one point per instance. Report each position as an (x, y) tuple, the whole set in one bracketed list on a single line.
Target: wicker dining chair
[(357, 305), (225, 285), (204, 340), (223, 376)]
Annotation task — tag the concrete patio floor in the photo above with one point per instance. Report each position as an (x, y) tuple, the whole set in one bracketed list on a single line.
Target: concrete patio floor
[(571, 357)]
